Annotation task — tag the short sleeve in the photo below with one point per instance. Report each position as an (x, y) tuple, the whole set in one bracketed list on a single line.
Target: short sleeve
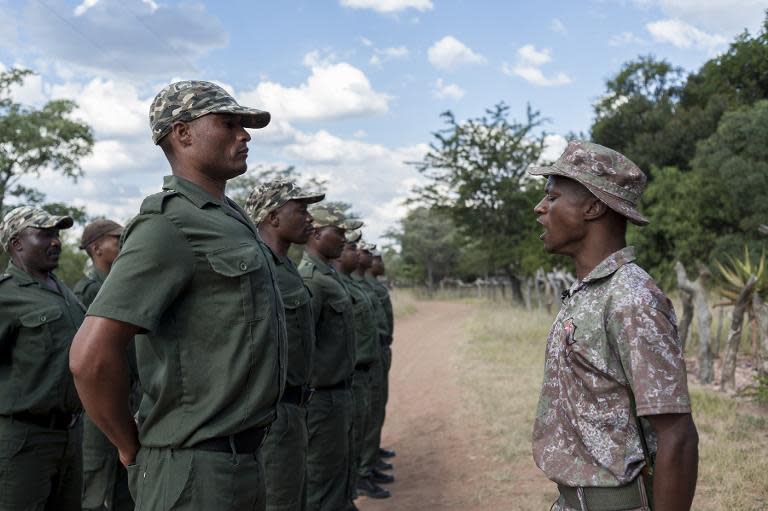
[(154, 266), (644, 330)]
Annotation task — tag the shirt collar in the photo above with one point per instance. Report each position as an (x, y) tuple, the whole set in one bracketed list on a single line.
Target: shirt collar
[(25, 279), (190, 190), (606, 268), (321, 265)]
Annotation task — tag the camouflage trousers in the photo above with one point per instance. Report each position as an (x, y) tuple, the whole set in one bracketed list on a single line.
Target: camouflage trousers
[(105, 480), (195, 480), (40, 468), (285, 459), (329, 414)]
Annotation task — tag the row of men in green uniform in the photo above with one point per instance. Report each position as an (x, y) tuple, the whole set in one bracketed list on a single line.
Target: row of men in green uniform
[(215, 374)]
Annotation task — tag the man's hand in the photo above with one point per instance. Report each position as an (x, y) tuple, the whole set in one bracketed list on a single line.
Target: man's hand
[(677, 461), (100, 369)]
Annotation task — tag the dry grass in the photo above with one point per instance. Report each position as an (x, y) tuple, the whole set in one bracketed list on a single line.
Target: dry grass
[(403, 302), (503, 361)]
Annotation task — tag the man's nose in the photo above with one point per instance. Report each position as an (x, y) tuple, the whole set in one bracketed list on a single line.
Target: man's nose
[(539, 208)]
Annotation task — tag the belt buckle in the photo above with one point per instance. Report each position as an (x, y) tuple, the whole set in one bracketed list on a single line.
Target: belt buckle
[(73, 420), (306, 394)]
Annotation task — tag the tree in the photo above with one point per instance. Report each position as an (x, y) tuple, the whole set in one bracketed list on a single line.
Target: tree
[(428, 245), (477, 175), (35, 139)]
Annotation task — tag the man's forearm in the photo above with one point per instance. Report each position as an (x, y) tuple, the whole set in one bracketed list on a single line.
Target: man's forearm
[(101, 375), (675, 471)]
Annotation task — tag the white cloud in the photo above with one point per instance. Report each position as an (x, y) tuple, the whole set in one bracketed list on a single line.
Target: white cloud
[(724, 17), (388, 6), (554, 145), (394, 53), (449, 53), (30, 91), (447, 90), (332, 91), (528, 67), (683, 35), (557, 26), (625, 38), (136, 38)]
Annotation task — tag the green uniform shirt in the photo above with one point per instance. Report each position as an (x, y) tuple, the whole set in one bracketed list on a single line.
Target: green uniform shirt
[(88, 287), (37, 326), (194, 275), (366, 331), (383, 293), (299, 322), (381, 316), (334, 357)]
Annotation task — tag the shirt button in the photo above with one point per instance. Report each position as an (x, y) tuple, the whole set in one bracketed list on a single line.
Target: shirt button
[(243, 266), (43, 318)]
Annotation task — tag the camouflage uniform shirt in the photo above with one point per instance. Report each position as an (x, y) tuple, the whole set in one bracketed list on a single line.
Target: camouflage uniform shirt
[(614, 337)]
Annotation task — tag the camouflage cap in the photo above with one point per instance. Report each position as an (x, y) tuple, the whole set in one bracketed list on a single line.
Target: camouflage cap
[(354, 236), (327, 214), (19, 218), (272, 195), (376, 253), (364, 245), (190, 99), (608, 174), (98, 228)]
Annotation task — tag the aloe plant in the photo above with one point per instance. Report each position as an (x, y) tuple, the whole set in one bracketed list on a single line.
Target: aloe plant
[(735, 274)]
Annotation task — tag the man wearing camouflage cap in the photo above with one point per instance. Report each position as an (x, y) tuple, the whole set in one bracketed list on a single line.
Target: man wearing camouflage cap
[(40, 456), (330, 410), (105, 480), (371, 462), (198, 286), (279, 209), (367, 353), (614, 427), (372, 275)]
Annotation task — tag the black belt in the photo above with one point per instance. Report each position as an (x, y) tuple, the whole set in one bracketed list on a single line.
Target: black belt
[(54, 420), (298, 395), (364, 367), (245, 442), (594, 498), (343, 384)]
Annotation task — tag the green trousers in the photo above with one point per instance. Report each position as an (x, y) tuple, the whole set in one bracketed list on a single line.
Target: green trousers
[(105, 481), (40, 469), (371, 440), (329, 425), (387, 357), (361, 394), (196, 480), (285, 459)]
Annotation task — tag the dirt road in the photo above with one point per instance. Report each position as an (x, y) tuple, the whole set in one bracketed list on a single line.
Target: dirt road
[(438, 464)]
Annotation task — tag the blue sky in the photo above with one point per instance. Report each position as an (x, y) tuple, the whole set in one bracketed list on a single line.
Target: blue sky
[(355, 86)]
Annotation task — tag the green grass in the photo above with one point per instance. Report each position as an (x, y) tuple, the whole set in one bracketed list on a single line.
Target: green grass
[(503, 363)]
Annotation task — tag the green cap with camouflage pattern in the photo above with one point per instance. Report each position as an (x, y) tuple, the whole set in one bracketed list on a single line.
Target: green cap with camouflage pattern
[(354, 236), (364, 245), (608, 174), (272, 195), (19, 218), (328, 215), (190, 99)]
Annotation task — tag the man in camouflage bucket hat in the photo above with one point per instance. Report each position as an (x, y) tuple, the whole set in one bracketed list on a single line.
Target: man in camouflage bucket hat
[(279, 209), (196, 285), (40, 452), (614, 427), (330, 410)]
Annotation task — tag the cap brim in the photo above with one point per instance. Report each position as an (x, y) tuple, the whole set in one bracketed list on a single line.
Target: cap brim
[(309, 198), (56, 222), (351, 224), (544, 171), (252, 118)]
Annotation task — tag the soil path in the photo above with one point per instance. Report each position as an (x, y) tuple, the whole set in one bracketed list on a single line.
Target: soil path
[(438, 464)]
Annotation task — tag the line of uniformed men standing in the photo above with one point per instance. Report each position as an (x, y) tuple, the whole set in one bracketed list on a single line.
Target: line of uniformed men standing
[(262, 385)]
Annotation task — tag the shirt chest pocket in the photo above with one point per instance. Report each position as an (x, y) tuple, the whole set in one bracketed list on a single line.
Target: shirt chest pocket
[(297, 314), (240, 284), (38, 328)]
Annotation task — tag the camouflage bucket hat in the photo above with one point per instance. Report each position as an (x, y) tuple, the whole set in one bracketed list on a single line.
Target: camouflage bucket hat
[(272, 195), (608, 174), (354, 236), (364, 245), (327, 215), (18, 219), (190, 99), (99, 228)]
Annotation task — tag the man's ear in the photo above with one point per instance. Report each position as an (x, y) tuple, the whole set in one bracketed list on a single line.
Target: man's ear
[(182, 132), (594, 208), (273, 219), (16, 243)]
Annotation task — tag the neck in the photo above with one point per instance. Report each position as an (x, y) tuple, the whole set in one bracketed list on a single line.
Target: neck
[(102, 266), (275, 242), (594, 253), (338, 266), (359, 271), (312, 250), (214, 186), (42, 276), (370, 272)]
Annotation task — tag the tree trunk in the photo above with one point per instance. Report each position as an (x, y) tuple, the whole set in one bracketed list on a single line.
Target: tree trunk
[(697, 293), (687, 317), (761, 315), (527, 292), (719, 337), (728, 378)]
